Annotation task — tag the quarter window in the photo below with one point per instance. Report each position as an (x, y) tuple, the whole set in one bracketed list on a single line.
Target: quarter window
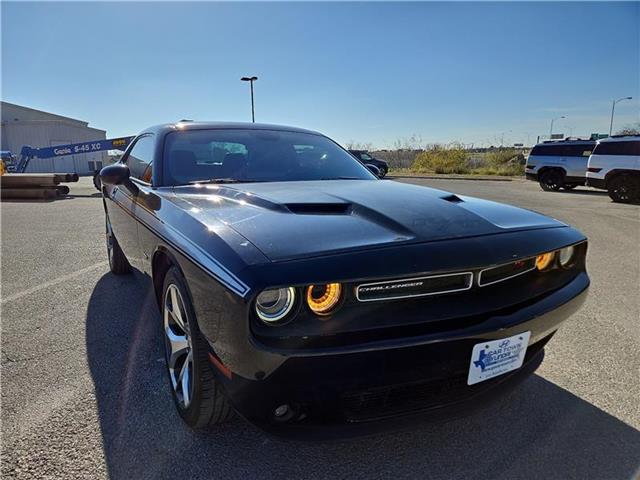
[(140, 158)]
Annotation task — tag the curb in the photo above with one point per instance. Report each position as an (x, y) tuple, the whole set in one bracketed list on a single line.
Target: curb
[(468, 177)]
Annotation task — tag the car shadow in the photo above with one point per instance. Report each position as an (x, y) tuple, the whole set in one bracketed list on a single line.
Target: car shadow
[(578, 191), (78, 195), (601, 193), (540, 431)]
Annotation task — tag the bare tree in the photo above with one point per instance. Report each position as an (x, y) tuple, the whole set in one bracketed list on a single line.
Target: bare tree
[(631, 129), (352, 145)]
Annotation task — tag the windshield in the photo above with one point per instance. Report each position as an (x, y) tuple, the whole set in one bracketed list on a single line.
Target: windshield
[(255, 156)]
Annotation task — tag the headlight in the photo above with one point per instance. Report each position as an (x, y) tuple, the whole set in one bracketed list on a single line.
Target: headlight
[(322, 299), (544, 261), (274, 304), (565, 256)]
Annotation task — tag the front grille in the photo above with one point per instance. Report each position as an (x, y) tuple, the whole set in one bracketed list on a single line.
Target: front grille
[(395, 400), (399, 399), (500, 273)]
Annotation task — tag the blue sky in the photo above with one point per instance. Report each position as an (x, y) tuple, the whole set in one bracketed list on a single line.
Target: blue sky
[(364, 72)]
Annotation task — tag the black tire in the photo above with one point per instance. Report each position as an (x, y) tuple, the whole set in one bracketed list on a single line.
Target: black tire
[(624, 188), (207, 405), (118, 262), (96, 180), (551, 180), (383, 172)]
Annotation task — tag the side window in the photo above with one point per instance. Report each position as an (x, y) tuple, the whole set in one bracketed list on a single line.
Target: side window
[(618, 148), (140, 159), (560, 150), (579, 150), (547, 150)]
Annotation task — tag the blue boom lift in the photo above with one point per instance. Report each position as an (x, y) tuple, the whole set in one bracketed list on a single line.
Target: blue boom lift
[(28, 153)]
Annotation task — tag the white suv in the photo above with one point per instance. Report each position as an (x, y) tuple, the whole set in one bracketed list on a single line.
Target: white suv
[(614, 166), (559, 164)]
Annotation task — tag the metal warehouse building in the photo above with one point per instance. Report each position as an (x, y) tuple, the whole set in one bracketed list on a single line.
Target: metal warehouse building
[(27, 126)]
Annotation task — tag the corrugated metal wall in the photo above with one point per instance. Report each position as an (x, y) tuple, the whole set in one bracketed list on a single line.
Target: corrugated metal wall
[(20, 127)]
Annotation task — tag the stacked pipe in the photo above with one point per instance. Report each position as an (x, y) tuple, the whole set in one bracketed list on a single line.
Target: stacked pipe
[(42, 186)]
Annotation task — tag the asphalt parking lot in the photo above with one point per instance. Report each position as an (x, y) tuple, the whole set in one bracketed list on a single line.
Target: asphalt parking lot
[(84, 393)]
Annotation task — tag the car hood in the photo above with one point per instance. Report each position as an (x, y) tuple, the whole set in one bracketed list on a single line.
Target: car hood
[(288, 220)]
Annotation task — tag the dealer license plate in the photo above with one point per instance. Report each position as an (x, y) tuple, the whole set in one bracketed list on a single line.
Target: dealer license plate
[(493, 358)]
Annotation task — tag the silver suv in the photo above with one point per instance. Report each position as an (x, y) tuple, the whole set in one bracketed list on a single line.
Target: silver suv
[(559, 164)]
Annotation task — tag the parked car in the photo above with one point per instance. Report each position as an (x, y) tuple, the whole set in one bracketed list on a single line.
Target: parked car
[(614, 166), (365, 157), (559, 164), (292, 295)]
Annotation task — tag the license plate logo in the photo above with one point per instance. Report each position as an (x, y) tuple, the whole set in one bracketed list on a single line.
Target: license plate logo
[(493, 358)]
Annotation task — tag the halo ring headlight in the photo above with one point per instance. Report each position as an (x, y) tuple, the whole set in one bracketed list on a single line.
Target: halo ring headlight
[(323, 299), (545, 260), (274, 304), (565, 256)]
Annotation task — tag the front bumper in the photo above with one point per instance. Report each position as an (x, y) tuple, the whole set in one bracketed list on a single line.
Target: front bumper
[(531, 176), (387, 385)]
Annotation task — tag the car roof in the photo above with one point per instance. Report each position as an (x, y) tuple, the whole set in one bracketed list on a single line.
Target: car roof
[(621, 138), (550, 143), (191, 125)]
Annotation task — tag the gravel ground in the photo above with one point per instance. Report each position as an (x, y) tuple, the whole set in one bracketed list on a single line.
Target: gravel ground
[(84, 394)]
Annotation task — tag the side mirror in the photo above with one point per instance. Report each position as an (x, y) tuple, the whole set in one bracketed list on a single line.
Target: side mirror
[(115, 174), (375, 170)]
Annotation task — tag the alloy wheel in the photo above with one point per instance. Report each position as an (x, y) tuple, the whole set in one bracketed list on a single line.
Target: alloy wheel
[(621, 190), (178, 346), (551, 181), (622, 193)]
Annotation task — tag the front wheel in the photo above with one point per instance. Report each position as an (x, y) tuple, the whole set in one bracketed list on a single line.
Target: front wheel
[(624, 189), (383, 172), (118, 262), (551, 180), (96, 180), (196, 393)]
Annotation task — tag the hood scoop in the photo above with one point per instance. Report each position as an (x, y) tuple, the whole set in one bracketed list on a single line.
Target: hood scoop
[(319, 208), (453, 198)]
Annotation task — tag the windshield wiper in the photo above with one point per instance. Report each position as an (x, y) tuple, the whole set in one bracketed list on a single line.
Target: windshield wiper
[(223, 180)]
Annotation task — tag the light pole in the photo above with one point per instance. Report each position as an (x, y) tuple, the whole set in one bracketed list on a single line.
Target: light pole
[(251, 80), (613, 109), (551, 128)]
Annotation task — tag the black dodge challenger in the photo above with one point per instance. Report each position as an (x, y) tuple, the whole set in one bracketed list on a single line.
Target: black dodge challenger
[(313, 299)]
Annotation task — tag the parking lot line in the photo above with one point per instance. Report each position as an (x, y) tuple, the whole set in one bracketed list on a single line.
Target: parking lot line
[(51, 283)]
